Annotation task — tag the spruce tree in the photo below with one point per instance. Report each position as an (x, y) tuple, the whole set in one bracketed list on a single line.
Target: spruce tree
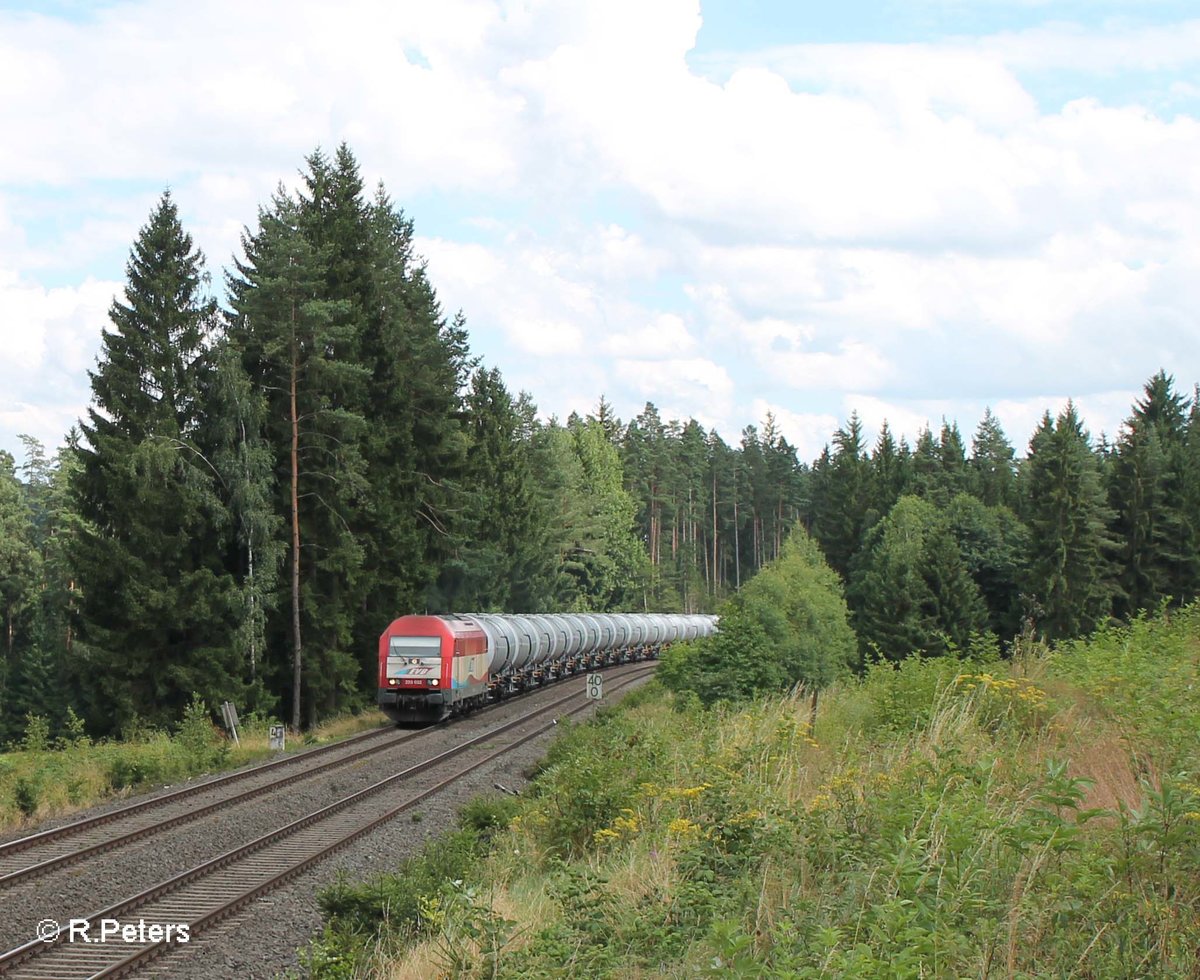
[(992, 470), (157, 609), (912, 592), (1148, 494), (993, 544), (926, 468), (844, 498), (503, 558), (1186, 578), (1070, 568), (888, 475)]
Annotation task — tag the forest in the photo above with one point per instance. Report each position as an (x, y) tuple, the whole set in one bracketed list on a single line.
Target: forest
[(265, 478)]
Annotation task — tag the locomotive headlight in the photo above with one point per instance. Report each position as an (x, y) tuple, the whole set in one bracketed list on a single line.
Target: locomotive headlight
[(433, 681), (414, 660)]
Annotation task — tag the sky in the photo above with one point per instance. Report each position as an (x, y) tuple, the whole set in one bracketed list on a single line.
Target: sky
[(908, 209)]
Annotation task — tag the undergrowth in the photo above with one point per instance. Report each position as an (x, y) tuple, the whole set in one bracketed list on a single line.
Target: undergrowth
[(41, 777), (940, 819)]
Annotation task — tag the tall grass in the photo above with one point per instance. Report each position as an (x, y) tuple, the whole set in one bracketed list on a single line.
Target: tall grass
[(47, 780), (939, 819)]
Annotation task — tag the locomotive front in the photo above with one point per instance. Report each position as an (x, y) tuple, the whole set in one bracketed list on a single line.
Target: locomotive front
[(429, 666)]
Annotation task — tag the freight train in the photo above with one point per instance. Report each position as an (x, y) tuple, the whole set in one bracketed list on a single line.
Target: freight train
[(432, 667)]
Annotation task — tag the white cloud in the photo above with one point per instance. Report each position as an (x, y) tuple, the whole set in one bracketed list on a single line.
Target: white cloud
[(664, 336), (907, 225), (691, 381), (1117, 47), (807, 432), (50, 338)]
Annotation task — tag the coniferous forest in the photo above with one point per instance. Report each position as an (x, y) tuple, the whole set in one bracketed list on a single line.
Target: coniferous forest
[(274, 467)]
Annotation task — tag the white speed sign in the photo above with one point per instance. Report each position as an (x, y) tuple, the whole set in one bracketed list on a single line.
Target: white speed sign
[(595, 686)]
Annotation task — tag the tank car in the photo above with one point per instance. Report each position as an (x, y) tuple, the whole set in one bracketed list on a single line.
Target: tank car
[(431, 667)]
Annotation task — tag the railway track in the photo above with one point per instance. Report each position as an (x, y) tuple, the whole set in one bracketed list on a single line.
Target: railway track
[(208, 893), (40, 853)]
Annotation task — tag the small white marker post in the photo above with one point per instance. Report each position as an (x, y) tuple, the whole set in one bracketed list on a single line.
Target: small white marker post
[(275, 738)]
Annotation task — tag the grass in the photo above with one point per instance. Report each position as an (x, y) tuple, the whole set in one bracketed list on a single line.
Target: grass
[(1036, 818), (36, 784)]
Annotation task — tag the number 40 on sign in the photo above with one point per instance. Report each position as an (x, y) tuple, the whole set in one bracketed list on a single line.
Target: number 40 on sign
[(595, 686)]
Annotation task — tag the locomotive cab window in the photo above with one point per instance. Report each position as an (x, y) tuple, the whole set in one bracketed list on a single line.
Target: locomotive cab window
[(411, 656), (414, 646)]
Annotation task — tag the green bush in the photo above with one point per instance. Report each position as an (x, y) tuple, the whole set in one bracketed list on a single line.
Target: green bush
[(399, 898), (203, 745), (789, 625), (37, 733), (487, 815), (74, 733), (25, 795)]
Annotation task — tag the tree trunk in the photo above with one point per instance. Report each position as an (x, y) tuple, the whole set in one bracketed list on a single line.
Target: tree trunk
[(716, 538), (70, 618), (737, 549), (296, 648)]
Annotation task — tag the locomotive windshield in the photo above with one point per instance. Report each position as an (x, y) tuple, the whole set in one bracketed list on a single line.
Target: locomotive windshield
[(414, 646)]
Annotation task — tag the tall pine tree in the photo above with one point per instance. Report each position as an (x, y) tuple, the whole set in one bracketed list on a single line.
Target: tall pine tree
[(297, 346)]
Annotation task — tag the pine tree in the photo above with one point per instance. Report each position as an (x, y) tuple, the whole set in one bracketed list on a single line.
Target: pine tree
[(1071, 574), (721, 481), (156, 607), (296, 345), (692, 463), (414, 442)]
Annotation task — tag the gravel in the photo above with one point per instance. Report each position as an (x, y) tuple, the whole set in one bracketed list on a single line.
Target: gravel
[(262, 940)]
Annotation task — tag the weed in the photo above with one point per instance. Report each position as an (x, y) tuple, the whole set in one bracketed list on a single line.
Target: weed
[(25, 795)]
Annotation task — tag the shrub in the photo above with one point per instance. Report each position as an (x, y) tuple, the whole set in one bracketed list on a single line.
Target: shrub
[(74, 732), (788, 626), (201, 742), (487, 815), (399, 898), (37, 733), (25, 795)]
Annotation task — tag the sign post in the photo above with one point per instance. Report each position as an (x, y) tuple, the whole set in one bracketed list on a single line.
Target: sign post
[(595, 690), (595, 686), (229, 715), (275, 738)]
